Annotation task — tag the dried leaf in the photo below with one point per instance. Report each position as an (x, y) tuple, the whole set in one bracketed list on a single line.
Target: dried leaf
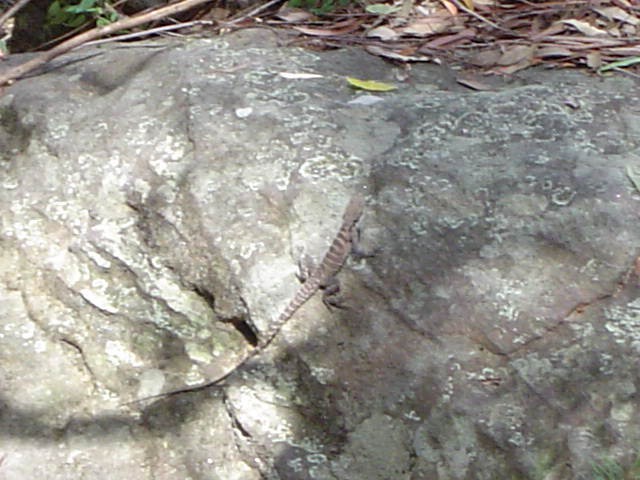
[(370, 85), (299, 75), (384, 33), (586, 28), (405, 9), (555, 51), (594, 60), (459, 38), (510, 69), (553, 29), (428, 26), (616, 13), (339, 29), (451, 7), (385, 53), (486, 58), (634, 175), (365, 100), (381, 8), (469, 4), (474, 84), (293, 15), (516, 54), (219, 14)]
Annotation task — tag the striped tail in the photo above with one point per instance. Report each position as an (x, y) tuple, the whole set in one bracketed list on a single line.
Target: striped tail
[(304, 293)]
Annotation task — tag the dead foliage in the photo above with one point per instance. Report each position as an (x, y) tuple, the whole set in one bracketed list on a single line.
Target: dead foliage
[(493, 36)]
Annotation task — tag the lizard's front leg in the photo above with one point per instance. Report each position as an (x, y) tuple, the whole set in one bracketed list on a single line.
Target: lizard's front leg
[(331, 294)]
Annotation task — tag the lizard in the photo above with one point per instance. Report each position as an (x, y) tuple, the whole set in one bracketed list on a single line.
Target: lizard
[(320, 277)]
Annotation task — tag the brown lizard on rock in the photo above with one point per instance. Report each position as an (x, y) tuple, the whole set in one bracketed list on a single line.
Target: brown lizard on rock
[(320, 277)]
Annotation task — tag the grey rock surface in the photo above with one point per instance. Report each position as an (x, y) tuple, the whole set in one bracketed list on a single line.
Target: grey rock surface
[(154, 203)]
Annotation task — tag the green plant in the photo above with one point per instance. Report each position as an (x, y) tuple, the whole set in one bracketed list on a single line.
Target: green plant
[(608, 469), (319, 7), (72, 14)]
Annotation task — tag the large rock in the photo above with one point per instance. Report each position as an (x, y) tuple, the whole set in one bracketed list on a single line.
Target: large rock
[(155, 202)]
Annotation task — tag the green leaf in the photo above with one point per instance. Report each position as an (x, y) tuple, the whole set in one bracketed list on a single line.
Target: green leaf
[(627, 62), (85, 6), (54, 9), (75, 21), (381, 8), (370, 85), (56, 15)]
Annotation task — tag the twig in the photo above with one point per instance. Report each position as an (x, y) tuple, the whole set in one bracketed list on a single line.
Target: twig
[(484, 19), (144, 33), (251, 13), (95, 33), (12, 11)]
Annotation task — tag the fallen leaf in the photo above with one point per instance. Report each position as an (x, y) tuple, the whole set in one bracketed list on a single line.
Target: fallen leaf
[(486, 58), (459, 38), (219, 14), (453, 10), (585, 28), (338, 28), (327, 32), (370, 85), (634, 175), (293, 15), (365, 100), (428, 26), (383, 33), (299, 76), (555, 51), (594, 60), (616, 13), (554, 29), (474, 84), (381, 8), (393, 55), (626, 62), (572, 103), (511, 69), (516, 54)]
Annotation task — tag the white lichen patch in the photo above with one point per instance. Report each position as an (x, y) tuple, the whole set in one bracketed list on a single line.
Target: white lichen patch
[(151, 382), (198, 353), (323, 375), (508, 293), (623, 323), (99, 296), (333, 165), (118, 354), (186, 302)]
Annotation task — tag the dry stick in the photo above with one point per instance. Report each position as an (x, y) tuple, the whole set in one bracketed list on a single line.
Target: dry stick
[(12, 11), (483, 19), (144, 33), (95, 33)]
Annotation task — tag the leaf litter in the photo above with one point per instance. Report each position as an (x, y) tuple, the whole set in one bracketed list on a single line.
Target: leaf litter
[(492, 36)]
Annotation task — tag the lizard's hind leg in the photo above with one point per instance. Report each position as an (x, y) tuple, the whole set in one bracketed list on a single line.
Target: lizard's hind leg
[(331, 296)]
